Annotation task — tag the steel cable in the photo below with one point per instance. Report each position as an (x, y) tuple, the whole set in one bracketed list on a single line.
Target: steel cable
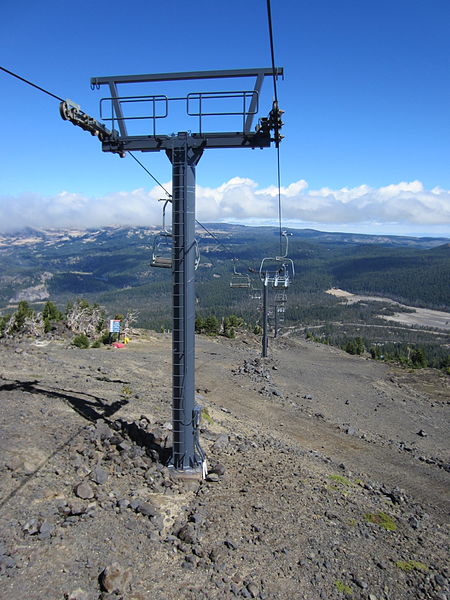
[(38, 87), (277, 141)]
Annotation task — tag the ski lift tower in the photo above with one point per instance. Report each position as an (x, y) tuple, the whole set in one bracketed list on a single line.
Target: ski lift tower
[(184, 150)]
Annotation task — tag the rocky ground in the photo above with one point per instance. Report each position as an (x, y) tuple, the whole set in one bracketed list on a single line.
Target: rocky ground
[(328, 475)]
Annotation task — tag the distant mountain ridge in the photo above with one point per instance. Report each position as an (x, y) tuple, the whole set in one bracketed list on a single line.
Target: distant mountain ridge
[(30, 235), (339, 237)]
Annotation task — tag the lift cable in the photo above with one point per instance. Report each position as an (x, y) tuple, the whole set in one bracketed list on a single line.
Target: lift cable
[(38, 87), (272, 52), (279, 200), (219, 243), (277, 140), (148, 172)]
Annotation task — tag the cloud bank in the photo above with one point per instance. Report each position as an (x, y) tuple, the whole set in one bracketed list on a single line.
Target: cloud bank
[(402, 207)]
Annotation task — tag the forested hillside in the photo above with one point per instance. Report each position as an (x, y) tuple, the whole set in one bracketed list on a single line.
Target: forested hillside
[(417, 277)]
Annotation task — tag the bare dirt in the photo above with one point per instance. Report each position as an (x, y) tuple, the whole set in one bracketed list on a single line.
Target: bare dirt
[(423, 317), (329, 475)]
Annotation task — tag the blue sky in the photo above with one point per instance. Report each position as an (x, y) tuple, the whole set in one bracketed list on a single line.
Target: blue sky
[(366, 93)]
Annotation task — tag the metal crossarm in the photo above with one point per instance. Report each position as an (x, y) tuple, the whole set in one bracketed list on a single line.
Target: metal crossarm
[(186, 75), (154, 141)]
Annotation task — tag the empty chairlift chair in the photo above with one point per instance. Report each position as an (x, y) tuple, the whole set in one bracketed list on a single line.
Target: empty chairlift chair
[(278, 271), (239, 280), (280, 312), (283, 277), (162, 252), (162, 245), (280, 298)]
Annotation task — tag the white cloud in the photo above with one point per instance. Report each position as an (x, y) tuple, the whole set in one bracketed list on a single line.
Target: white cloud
[(74, 210), (402, 205)]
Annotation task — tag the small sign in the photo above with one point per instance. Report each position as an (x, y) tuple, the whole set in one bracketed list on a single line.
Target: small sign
[(114, 326)]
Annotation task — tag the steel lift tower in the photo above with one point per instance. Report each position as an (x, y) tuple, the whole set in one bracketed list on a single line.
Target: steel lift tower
[(184, 151)]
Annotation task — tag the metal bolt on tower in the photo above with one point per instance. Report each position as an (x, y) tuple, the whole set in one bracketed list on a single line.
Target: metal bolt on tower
[(184, 151)]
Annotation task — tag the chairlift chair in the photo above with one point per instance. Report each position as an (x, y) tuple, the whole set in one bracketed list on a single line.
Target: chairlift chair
[(239, 280), (281, 298), (162, 246), (277, 271), (286, 274), (280, 313), (162, 251)]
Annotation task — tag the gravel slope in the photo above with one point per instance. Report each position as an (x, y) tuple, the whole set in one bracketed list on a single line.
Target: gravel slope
[(321, 484)]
